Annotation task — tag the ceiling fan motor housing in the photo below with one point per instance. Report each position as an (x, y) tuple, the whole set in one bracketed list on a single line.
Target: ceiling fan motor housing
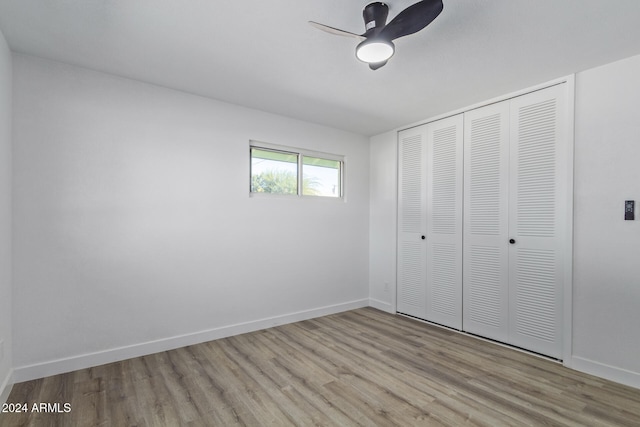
[(375, 17)]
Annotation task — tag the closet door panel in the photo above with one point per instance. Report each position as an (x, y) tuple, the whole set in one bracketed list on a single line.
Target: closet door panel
[(444, 221), (412, 257), (536, 207), (485, 253)]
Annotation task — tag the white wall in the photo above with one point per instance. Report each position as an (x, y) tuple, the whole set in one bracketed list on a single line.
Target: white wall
[(5, 219), (606, 309), (382, 220), (135, 232), (606, 269)]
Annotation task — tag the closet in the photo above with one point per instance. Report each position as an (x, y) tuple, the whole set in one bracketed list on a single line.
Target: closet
[(484, 220)]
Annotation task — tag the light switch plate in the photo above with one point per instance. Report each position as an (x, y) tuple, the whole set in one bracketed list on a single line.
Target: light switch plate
[(629, 210)]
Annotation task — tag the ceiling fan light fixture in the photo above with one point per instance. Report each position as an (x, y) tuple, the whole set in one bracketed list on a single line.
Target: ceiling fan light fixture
[(375, 50)]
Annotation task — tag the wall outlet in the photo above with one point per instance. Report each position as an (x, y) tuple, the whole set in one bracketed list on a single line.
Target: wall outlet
[(386, 286)]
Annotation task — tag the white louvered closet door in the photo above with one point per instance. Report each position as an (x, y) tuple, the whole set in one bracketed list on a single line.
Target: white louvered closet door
[(412, 257), (538, 201), (444, 221), (485, 258)]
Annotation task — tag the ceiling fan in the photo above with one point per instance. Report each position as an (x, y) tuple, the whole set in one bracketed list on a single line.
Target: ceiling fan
[(376, 46)]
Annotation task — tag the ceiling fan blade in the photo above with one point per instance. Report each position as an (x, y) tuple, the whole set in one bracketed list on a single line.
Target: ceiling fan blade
[(335, 31), (376, 65), (412, 19)]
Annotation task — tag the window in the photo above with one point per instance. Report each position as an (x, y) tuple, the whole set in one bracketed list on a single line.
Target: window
[(321, 177), (288, 171), (274, 172)]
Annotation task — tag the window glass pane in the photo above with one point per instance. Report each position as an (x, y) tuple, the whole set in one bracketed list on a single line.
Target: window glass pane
[(274, 172), (321, 177)]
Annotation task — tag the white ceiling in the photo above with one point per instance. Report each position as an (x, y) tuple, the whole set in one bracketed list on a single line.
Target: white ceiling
[(264, 55)]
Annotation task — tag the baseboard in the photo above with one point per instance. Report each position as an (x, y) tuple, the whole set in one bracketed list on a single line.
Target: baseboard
[(381, 305), (5, 387), (55, 367), (612, 373)]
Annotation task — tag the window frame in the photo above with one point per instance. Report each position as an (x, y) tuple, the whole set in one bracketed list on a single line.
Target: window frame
[(301, 154)]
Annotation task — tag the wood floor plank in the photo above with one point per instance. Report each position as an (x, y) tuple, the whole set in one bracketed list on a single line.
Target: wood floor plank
[(291, 377), (259, 366), (359, 368)]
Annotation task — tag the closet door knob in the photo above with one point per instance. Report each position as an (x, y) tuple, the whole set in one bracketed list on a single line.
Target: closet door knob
[(423, 237), (512, 241)]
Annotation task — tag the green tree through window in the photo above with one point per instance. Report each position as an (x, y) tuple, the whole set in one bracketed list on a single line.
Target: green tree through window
[(282, 182)]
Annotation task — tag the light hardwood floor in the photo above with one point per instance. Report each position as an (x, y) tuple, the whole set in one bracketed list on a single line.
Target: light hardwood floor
[(362, 367)]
